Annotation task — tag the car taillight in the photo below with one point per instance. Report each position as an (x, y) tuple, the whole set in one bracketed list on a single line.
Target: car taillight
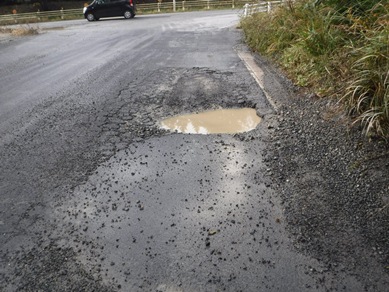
[(131, 4)]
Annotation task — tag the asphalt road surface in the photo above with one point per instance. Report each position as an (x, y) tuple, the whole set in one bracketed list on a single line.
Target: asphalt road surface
[(94, 196)]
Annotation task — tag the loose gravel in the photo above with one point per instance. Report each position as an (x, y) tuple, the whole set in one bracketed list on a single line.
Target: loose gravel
[(334, 184)]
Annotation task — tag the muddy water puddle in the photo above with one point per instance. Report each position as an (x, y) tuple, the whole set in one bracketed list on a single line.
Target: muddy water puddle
[(223, 121)]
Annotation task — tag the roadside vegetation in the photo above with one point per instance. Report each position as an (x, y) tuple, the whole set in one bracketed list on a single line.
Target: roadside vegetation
[(338, 48), (19, 31)]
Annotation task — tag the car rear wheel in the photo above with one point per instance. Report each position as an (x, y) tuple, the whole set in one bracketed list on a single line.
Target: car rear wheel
[(128, 14), (90, 17)]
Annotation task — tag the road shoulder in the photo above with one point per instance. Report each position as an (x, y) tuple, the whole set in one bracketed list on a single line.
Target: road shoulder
[(333, 182)]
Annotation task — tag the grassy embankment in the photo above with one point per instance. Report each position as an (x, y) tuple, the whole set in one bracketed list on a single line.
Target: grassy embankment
[(339, 50), (34, 6)]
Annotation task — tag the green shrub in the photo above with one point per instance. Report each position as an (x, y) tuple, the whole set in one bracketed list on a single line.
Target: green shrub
[(338, 48)]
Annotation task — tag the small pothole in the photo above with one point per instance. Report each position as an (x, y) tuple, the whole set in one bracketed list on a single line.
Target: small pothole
[(223, 121)]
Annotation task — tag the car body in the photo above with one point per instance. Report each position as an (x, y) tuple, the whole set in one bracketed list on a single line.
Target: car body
[(109, 8)]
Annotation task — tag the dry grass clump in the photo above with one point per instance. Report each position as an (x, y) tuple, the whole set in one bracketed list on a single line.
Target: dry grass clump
[(339, 49), (26, 30), (19, 31)]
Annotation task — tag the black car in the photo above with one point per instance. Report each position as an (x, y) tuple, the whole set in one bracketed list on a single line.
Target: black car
[(109, 8)]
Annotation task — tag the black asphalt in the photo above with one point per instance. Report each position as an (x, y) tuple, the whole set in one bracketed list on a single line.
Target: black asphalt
[(95, 197)]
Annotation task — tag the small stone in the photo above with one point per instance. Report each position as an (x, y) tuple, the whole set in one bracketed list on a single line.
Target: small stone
[(212, 232)]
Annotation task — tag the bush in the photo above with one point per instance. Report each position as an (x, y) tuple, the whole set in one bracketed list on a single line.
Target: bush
[(338, 48)]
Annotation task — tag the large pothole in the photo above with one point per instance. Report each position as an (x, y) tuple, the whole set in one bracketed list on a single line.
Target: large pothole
[(223, 121)]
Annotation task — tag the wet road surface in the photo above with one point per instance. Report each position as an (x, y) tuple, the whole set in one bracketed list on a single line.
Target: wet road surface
[(95, 196)]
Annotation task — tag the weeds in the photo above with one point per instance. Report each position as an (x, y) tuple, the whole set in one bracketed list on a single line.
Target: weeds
[(19, 31), (339, 50), (367, 93)]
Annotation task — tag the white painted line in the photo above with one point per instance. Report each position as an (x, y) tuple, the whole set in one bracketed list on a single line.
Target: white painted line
[(257, 73)]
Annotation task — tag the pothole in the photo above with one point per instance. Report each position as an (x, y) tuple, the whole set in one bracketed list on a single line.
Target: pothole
[(223, 121)]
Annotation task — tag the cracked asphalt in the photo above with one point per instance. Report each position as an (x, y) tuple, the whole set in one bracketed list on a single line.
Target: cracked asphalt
[(94, 196)]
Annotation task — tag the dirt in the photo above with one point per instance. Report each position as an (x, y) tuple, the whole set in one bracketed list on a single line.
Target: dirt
[(333, 181)]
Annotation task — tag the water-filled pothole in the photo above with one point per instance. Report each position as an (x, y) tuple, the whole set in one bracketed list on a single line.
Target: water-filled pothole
[(224, 121)]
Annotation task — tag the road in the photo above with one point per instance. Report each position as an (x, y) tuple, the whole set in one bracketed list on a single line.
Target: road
[(96, 197)]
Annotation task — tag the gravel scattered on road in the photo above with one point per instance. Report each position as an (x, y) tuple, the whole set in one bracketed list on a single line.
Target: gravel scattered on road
[(334, 184)]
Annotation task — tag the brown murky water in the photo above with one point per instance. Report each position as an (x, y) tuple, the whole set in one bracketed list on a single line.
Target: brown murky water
[(224, 121)]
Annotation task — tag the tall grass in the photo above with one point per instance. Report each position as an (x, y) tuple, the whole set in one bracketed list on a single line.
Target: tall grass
[(367, 93), (338, 48)]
